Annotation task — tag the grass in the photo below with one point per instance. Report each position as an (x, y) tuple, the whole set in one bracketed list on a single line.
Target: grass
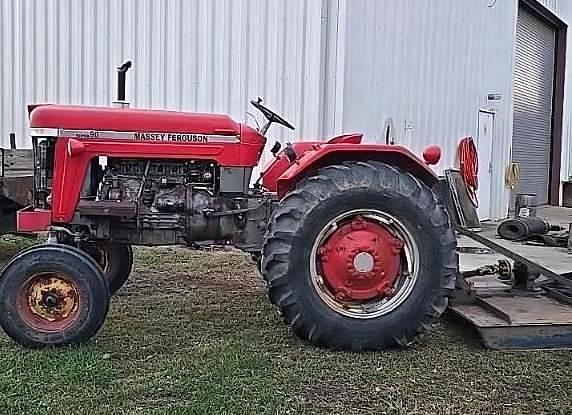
[(193, 333)]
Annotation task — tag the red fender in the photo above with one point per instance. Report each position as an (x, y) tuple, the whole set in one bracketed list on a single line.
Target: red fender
[(323, 154)]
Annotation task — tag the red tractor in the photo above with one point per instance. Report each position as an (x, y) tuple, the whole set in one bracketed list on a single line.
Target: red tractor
[(354, 246)]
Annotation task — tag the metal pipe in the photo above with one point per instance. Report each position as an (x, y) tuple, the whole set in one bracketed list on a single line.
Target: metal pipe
[(121, 75)]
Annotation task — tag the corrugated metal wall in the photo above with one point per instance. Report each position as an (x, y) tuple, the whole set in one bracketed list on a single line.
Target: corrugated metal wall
[(428, 67), (329, 66), (196, 55)]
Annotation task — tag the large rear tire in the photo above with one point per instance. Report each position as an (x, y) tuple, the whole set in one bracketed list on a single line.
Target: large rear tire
[(360, 256), (52, 295)]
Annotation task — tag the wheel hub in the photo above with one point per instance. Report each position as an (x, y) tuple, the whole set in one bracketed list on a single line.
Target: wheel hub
[(51, 301), (364, 262), (360, 260)]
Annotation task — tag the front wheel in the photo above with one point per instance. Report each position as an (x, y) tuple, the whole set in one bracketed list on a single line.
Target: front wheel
[(360, 257), (52, 295), (115, 260)]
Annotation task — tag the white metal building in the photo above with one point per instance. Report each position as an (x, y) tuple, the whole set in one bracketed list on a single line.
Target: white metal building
[(434, 71)]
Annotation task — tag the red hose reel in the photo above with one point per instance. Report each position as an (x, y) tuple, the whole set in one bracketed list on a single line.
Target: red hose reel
[(469, 166)]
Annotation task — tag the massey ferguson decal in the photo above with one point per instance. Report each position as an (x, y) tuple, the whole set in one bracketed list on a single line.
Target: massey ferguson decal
[(176, 137), (182, 138)]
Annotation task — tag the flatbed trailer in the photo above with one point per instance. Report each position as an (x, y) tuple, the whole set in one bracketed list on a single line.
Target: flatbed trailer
[(16, 183), (533, 311)]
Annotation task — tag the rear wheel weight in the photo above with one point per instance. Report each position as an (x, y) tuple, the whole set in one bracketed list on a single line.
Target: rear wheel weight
[(337, 290), (52, 295)]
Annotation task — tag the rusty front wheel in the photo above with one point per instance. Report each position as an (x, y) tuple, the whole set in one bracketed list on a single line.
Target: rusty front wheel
[(52, 295)]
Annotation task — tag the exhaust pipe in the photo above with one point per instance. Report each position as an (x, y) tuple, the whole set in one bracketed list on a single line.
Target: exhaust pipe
[(121, 77)]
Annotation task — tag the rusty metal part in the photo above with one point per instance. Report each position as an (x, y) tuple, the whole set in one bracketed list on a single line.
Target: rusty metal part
[(502, 268), (49, 302)]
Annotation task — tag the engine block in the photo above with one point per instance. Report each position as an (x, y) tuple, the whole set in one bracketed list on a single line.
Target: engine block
[(157, 186), (162, 202)]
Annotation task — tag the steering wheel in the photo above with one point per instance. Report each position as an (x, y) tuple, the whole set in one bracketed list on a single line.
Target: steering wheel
[(270, 115)]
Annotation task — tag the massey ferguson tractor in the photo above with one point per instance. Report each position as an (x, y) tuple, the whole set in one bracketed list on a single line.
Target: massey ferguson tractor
[(354, 246)]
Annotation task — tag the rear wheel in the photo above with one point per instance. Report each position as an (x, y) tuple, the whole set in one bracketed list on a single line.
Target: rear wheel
[(115, 260), (360, 257), (52, 295)]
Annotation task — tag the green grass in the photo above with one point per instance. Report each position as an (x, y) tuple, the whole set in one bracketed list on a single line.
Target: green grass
[(193, 333)]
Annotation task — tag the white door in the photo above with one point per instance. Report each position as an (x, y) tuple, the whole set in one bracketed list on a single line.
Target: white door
[(484, 145)]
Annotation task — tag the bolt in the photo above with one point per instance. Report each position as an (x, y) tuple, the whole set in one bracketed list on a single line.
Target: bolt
[(385, 290), (359, 223), (343, 294), (323, 254), (397, 245), (51, 300)]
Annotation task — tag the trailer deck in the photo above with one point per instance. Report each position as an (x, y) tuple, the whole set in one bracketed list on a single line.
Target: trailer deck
[(509, 318)]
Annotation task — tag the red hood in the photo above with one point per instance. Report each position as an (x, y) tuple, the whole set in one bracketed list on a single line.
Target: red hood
[(74, 117)]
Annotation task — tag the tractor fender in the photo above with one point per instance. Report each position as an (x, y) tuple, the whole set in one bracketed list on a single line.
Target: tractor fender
[(327, 154)]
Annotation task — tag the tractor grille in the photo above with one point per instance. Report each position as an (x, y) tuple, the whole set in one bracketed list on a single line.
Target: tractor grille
[(44, 149)]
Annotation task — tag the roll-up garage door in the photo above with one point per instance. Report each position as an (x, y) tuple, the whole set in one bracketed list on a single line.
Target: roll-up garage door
[(533, 89)]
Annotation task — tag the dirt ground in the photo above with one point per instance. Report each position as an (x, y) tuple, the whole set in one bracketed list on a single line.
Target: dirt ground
[(193, 333)]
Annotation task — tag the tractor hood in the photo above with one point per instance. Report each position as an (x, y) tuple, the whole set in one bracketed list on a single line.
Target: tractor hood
[(72, 117)]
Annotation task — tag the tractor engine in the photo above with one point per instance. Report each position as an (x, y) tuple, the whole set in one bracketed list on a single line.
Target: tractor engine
[(157, 202), (160, 186)]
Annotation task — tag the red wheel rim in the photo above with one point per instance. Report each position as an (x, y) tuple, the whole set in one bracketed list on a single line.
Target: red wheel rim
[(49, 302), (364, 263), (360, 260)]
